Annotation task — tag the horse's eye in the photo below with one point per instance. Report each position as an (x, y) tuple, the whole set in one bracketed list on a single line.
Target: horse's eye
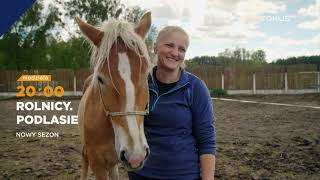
[(100, 80)]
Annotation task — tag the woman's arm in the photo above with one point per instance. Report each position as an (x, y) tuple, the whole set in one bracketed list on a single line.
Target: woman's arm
[(204, 129), (207, 164)]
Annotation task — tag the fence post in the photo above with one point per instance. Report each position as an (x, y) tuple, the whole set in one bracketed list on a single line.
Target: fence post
[(222, 80), (318, 79), (254, 83), (74, 84), (286, 82)]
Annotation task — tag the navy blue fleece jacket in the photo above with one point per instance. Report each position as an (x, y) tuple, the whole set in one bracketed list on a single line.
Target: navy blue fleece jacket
[(179, 128)]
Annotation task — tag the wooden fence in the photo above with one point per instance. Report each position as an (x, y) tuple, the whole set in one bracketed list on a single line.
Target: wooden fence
[(237, 77), (267, 77)]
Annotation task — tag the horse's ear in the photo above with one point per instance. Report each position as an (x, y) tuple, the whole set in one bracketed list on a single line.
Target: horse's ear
[(144, 25), (92, 33)]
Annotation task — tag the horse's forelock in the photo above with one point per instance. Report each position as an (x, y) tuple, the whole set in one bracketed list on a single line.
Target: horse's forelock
[(112, 31)]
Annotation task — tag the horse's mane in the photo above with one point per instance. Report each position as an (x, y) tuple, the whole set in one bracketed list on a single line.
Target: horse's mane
[(112, 30)]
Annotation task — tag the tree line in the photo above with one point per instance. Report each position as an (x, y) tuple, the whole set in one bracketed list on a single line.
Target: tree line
[(299, 60), (250, 57)]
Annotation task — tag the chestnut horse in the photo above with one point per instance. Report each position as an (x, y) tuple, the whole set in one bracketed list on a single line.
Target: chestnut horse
[(111, 111)]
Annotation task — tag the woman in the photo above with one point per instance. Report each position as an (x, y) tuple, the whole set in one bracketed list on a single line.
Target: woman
[(180, 127)]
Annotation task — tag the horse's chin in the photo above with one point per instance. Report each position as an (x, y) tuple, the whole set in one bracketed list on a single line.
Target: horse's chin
[(129, 168)]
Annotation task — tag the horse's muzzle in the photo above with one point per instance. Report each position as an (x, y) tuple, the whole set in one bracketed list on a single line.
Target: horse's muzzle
[(133, 162)]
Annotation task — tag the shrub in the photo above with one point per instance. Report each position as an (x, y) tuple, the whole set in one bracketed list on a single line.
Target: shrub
[(217, 92)]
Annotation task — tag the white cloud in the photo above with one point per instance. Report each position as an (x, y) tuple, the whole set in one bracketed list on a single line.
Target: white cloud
[(215, 19), (172, 10), (313, 11), (312, 25), (316, 39), (277, 53), (211, 52), (165, 11), (237, 19), (230, 23), (284, 42), (281, 47)]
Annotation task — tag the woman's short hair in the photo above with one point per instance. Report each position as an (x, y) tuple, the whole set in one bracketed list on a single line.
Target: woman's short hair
[(170, 29)]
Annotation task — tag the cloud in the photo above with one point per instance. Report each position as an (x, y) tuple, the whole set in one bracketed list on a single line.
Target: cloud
[(247, 23), (218, 18), (312, 11), (171, 10), (285, 42), (277, 53), (238, 19), (287, 47), (228, 19), (312, 25)]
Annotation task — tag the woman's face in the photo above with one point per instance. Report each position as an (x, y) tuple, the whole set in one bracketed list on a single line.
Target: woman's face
[(171, 50)]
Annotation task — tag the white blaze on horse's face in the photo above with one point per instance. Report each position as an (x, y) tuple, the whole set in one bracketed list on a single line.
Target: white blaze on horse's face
[(133, 153)]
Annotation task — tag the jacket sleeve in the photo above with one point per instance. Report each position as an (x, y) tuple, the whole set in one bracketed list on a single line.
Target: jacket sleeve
[(203, 126)]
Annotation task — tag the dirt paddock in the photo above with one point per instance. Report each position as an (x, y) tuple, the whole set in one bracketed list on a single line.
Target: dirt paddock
[(255, 141)]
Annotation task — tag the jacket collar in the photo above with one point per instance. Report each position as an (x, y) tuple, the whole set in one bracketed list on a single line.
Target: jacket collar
[(184, 80)]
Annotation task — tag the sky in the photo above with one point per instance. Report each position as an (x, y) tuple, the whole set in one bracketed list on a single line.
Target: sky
[(282, 28)]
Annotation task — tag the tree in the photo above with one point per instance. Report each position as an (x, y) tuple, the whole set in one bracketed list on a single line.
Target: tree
[(299, 60), (228, 57), (258, 56), (237, 55), (94, 11), (226, 53), (24, 45), (33, 42), (241, 55)]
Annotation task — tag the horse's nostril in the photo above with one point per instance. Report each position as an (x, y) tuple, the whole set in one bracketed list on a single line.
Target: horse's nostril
[(123, 156), (147, 152)]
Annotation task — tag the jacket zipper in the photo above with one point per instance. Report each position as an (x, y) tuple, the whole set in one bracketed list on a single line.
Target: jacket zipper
[(158, 97)]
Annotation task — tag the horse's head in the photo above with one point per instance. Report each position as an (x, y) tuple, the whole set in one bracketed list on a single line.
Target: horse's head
[(121, 64)]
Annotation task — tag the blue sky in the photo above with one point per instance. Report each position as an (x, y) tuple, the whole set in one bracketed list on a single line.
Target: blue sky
[(282, 28)]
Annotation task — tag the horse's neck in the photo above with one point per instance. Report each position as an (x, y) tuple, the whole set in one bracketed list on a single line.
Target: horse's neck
[(93, 99), (95, 107)]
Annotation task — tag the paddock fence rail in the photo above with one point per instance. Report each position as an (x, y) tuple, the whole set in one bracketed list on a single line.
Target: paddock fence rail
[(254, 79)]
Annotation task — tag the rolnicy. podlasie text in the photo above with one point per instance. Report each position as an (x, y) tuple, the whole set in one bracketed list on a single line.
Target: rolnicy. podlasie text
[(45, 106)]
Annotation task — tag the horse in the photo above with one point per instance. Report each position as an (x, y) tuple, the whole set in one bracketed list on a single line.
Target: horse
[(115, 100)]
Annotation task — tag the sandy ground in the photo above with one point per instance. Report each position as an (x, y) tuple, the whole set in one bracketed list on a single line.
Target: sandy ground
[(254, 141)]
